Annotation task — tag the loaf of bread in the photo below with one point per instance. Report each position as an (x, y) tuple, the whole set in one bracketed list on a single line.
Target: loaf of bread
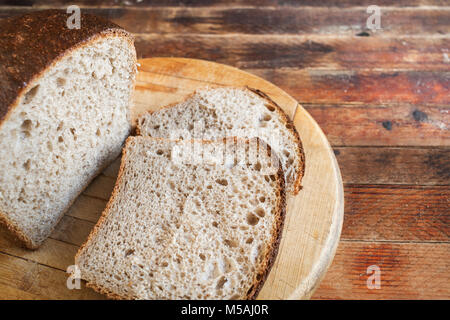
[(188, 220), (223, 112), (64, 113)]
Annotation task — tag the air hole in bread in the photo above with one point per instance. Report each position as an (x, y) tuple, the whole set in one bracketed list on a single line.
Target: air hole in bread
[(26, 125), (215, 224), (27, 164), (164, 264), (222, 182), (60, 139), (257, 166), (30, 94), (159, 152), (249, 240), (270, 108), (60, 126), (231, 243), (221, 283), (202, 256), (98, 133), (129, 252), (252, 219), (155, 127), (267, 117), (262, 199), (286, 153), (260, 212), (61, 82)]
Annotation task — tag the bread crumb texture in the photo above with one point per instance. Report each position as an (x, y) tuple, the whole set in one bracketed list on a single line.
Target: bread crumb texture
[(224, 112), (186, 230)]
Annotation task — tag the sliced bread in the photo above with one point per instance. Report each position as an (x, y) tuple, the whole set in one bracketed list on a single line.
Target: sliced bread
[(63, 113), (188, 220), (222, 112)]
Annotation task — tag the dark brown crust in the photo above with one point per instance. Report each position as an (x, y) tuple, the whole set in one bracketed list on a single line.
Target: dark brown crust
[(272, 251), (31, 43), (29, 46), (15, 231), (284, 117), (278, 230)]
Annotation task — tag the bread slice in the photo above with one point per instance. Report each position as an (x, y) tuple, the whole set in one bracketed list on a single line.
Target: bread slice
[(223, 112), (63, 113), (188, 220)]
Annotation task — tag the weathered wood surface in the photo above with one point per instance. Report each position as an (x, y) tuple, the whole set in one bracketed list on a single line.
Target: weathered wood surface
[(408, 271), (382, 99), (265, 20), (213, 3), (301, 51)]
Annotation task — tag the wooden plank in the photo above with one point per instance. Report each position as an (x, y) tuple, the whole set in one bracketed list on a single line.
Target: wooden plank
[(73, 231), (101, 187), (87, 208), (296, 51), (415, 166), (52, 253), (396, 213), (16, 294), (408, 271), (113, 169), (399, 125), (37, 280), (198, 3), (263, 20), (318, 86)]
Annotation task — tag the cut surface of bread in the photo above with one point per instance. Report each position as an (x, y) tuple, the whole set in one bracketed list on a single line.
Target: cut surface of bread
[(183, 226), (222, 112), (66, 124)]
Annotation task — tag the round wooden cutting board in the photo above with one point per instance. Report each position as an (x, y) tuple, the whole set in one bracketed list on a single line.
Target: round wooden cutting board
[(314, 217)]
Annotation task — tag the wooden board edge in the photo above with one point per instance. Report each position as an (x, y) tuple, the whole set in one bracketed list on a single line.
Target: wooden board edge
[(306, 289)]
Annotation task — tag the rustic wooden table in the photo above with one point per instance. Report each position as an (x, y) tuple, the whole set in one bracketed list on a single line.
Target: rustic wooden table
[(381, 97)]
